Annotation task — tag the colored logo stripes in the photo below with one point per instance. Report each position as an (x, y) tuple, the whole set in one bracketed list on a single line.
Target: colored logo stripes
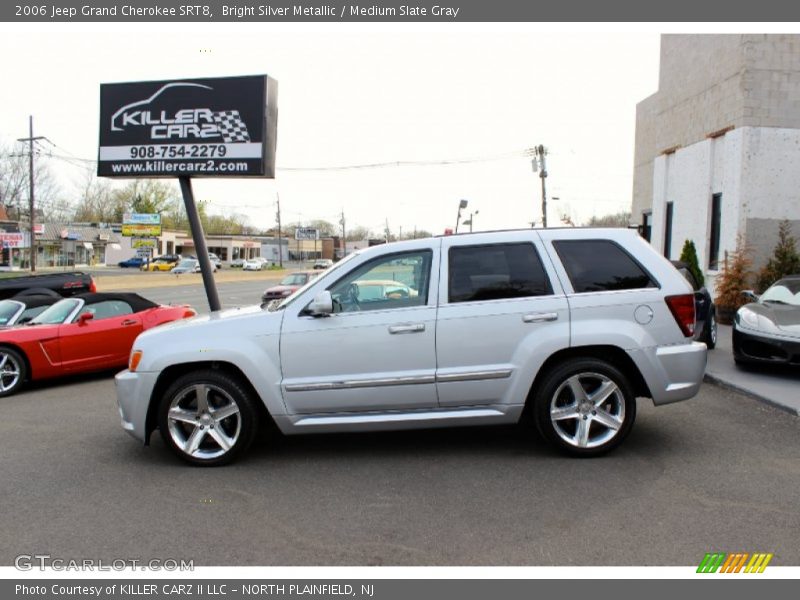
[(734, 562)]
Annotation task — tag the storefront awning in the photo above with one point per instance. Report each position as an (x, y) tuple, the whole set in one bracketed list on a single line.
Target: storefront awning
[(88, 245)]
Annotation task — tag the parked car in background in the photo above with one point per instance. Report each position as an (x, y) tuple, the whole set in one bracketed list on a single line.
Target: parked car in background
[(237, 263), (21, 309), (705, 329), (63, 284), (255, 264), (215, 260), (160, 264), (135, 262), (189, 265), (323, 263), (88, 332), (569, 326), (288, 285), (767, 331)]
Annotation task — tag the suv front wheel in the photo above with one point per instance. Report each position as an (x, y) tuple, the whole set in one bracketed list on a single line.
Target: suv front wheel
[(207, 417), (585, 407)]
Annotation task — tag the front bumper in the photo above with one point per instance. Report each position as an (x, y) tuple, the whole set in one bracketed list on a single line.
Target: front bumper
[(757, 347), (133, 398), (673, 373)]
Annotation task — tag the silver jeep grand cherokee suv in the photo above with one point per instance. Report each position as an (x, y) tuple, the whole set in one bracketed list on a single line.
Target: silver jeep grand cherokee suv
[(568, 326)]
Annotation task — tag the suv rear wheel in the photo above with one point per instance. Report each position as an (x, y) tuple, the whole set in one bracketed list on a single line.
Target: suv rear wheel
[(585, 407), (207, 417)]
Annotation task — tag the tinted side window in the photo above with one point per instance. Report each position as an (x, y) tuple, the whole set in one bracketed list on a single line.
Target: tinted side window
[(600, 265), (496, 271)]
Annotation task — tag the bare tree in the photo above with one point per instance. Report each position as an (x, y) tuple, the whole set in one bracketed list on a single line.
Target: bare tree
[(620, 219), (15, 183)]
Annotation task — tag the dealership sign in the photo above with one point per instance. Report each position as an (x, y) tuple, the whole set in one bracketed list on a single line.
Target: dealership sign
[(221, 127), (141, 230), (141, 218), (143, 243)]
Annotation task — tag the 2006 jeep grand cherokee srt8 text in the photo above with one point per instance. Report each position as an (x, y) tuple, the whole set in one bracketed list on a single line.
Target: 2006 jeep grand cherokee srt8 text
[(568, 326)]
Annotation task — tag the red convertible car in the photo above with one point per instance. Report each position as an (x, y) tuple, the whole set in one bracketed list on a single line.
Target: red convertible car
[(88, 332)]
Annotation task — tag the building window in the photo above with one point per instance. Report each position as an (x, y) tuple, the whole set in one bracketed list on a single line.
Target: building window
[(647, 224), (716, 218), (668, 231)]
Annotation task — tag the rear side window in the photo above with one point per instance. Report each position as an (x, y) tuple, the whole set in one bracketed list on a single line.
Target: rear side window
[(601, 265), (495, 272)]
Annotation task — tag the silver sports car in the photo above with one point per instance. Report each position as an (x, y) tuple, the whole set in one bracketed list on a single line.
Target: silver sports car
[(768, 330)]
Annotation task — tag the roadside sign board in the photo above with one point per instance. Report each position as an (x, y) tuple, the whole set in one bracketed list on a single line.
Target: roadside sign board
[(13, 240), (141, 230), (219, 127), (306, 233), (141, 219), (143, 243)]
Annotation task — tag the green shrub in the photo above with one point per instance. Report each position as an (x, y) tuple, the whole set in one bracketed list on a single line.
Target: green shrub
[(689, 256)]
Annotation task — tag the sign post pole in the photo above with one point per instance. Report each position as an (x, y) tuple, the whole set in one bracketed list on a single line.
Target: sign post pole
[(198, 236)]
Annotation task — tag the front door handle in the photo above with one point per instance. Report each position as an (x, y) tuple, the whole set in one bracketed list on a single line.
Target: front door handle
[(539, 317), (129, 322), (412, 328)]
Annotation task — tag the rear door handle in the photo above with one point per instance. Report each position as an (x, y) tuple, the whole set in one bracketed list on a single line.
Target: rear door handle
[(412, 328), (539, 317)]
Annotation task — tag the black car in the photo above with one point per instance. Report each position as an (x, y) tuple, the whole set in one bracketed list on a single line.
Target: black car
[(767, 331), (705, 329)]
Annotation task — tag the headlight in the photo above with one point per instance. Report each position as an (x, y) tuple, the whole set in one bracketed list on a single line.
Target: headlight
[(752, 320)]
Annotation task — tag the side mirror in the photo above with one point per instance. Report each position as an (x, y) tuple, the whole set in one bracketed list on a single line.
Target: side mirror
[(322, 305), (750, 295), (87, 316)]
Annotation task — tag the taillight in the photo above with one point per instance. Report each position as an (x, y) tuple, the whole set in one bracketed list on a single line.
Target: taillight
[(92, 285), (682, 308)]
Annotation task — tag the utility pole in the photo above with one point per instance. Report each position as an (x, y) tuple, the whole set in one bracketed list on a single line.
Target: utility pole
[(386, 231), (541, 153), (280, 236), (30, 139), (344, 239)]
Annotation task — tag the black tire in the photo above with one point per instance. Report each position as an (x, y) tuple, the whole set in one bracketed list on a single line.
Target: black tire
[(555, 396), (13, 371), (710, 334), (39, 291), (211, 434)]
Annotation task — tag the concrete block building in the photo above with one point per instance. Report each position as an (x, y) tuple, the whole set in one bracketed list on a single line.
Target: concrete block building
[(718, 146)]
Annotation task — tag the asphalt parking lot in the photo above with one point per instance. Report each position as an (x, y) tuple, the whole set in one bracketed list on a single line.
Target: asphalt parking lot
[(719, 472)]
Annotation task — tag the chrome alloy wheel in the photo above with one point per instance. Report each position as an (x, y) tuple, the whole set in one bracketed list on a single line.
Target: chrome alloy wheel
[(204, 421), (587, 410), (10, 372)]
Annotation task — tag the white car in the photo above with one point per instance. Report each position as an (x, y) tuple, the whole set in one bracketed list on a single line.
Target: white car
[(255, 264), (569, 326)]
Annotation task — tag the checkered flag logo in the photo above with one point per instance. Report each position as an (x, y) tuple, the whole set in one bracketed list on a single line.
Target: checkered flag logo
[(231, 126)]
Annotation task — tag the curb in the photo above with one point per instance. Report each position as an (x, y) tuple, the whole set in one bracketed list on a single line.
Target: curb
[(718, 381)]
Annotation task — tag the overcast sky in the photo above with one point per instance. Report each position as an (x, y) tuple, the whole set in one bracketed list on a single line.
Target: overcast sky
[(352, 95)]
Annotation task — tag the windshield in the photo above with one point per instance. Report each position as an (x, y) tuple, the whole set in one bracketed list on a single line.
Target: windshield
[(8, 308), (295, 279), (312, 280), (57, 313), (786, 291)]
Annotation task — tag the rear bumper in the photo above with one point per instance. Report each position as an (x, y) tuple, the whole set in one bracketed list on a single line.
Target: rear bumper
[(673, 373), (757, 347), (133, 398)]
